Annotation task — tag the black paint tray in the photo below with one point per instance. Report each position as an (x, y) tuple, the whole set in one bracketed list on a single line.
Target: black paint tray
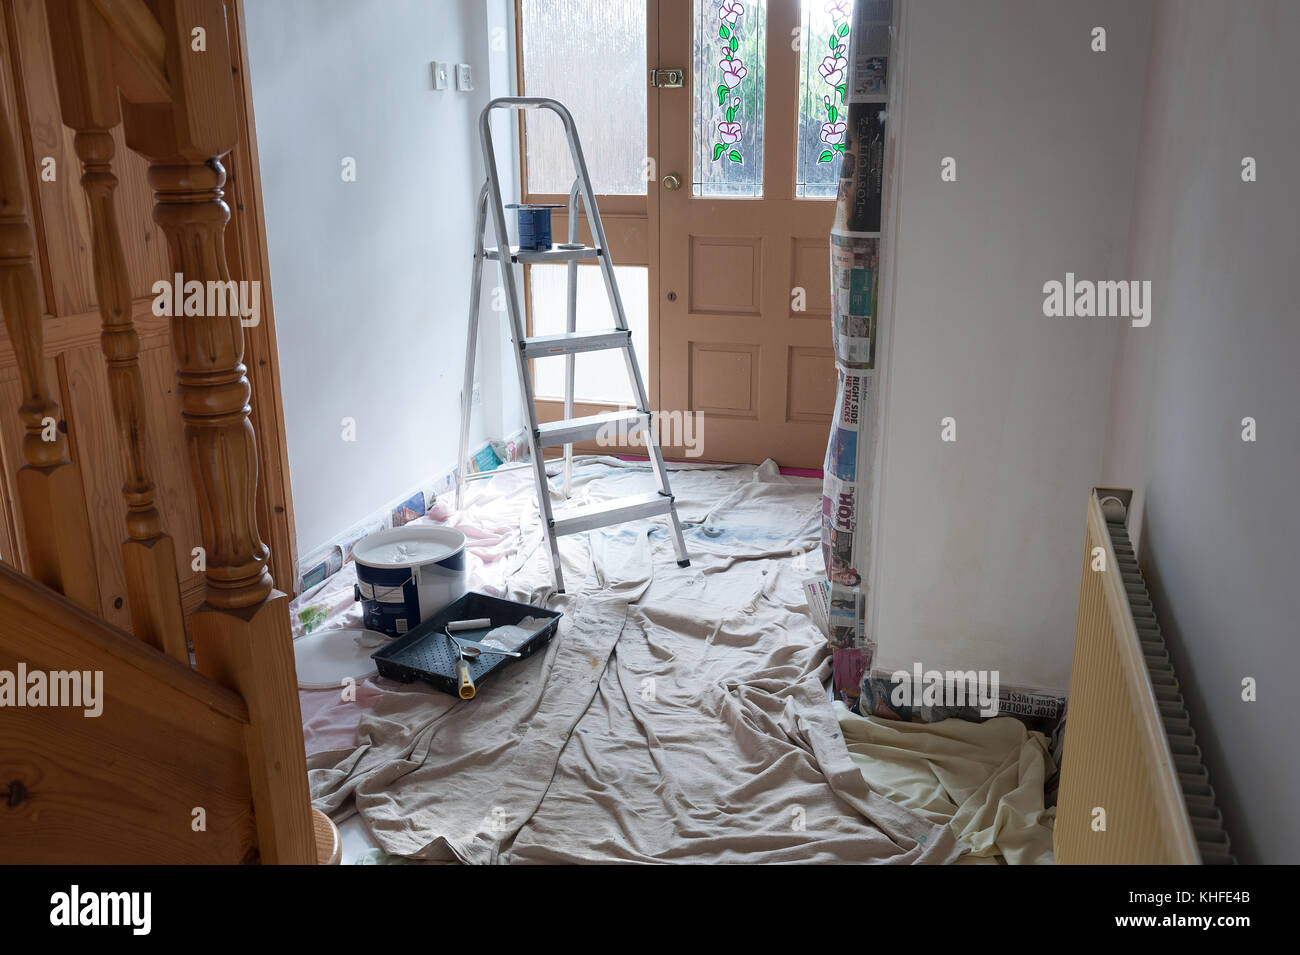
[(426, 654)]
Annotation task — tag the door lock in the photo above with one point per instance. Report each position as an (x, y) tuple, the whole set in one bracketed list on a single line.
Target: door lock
[(668, 79), (672, 182)]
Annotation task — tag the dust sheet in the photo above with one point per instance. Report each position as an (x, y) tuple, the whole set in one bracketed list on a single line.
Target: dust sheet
[(984, 779), (680, 715)]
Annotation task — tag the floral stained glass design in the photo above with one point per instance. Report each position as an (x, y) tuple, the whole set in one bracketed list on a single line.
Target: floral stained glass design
[(729, 76), (823, 95), (733, 71)]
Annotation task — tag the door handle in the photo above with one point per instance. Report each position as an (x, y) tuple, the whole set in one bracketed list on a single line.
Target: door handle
[(672, 182)]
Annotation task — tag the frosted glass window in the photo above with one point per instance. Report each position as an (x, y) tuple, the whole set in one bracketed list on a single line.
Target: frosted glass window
[(589, 55), (598, 376), (730, 59)]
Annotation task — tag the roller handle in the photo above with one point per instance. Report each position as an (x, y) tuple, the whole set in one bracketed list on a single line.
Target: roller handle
[(464, 682)]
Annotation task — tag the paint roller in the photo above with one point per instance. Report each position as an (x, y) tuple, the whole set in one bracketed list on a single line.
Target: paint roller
[(465, 687), (464, 682), (468, 650)]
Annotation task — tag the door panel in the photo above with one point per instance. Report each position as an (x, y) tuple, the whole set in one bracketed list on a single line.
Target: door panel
[(724, 275), (743, 304)]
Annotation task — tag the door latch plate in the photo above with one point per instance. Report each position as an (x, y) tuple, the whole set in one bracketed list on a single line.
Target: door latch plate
[(667, 79)]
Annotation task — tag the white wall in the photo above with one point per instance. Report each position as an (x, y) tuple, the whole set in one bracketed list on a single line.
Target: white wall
[(371, 278), (1217, 518), (980, 540), (497, 359)]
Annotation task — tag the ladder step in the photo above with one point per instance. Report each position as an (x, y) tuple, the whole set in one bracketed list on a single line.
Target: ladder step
[(621, 509), (571, 343), (553, 254), (572, 430)]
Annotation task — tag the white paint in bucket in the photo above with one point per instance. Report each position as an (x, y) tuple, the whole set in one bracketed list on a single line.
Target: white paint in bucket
[(407, 574)]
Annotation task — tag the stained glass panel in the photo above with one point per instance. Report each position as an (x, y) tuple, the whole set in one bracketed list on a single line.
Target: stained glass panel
[(730, 58)]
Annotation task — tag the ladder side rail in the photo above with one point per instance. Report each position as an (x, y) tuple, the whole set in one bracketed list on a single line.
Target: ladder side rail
[(517, 328), (607, 273), (620, 318), (471, 346), (571, 326)]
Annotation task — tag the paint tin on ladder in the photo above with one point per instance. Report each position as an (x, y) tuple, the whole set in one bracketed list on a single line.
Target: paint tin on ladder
[(534, 226), (407, 574)]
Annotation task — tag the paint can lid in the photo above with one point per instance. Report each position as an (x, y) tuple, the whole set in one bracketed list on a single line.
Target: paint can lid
[(323, 659), (408, 546)]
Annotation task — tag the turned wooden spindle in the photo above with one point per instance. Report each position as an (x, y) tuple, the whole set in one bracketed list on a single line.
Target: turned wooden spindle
[(50, 491), (148, 554), (120, 342), (214, 388), (83, 48)]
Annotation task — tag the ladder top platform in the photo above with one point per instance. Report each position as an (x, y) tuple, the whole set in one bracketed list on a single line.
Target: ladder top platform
[(553, 254)]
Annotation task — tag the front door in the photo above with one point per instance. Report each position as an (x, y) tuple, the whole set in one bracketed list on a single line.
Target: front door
[(749, 151), (718, 208)]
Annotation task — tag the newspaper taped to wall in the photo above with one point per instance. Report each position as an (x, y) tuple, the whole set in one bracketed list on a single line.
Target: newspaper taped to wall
[(872, 36), (854, 274), (850, 484), (818, 602)]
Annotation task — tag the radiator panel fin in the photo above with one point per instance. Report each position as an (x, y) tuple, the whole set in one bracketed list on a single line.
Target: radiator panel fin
[(1130, 748)]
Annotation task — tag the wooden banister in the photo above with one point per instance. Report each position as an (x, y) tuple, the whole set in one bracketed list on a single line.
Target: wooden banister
[(83, 57), (242, 636), (136, 28), (101, 644), (140, 49), (51, 497), (152, 770)]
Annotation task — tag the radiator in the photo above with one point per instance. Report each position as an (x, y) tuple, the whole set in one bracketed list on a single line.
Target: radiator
[(1133, 788)]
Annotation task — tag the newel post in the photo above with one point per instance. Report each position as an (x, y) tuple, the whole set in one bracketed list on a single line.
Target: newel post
[(242, 634)]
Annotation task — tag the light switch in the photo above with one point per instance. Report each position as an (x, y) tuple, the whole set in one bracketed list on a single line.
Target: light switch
[(464, 79), (440, 74)]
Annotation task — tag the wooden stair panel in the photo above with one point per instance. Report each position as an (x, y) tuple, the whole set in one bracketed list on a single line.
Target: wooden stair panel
[(122, 787)]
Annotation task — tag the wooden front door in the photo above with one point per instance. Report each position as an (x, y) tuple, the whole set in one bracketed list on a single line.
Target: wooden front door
[(726, 276), (746, 194)]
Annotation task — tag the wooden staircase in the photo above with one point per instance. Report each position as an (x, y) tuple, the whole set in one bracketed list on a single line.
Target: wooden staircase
[(183, 764)]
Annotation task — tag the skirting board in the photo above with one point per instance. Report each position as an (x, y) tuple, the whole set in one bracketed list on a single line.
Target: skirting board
[(328, 560)]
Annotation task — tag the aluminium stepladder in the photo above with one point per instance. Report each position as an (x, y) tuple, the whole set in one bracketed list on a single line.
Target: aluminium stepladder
[(570, 343)]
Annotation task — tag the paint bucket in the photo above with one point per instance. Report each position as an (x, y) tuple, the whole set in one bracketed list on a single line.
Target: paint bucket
[(408, 574), (534, 227)]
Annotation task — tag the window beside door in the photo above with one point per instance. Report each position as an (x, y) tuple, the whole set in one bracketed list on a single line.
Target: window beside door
[(591, 56)]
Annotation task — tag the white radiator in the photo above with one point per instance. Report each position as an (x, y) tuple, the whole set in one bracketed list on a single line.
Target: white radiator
[(1133, 787)]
